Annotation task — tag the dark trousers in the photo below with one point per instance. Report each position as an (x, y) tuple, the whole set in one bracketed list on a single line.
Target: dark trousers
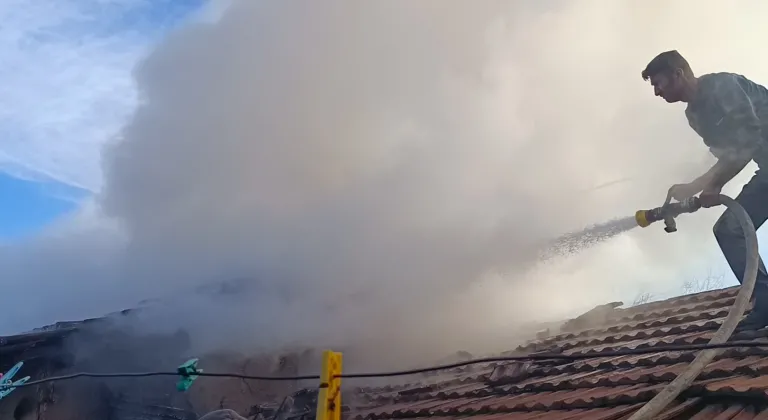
[(754, 199)]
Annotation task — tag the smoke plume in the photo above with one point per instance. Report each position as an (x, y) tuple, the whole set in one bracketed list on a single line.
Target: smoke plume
[(387, 172)]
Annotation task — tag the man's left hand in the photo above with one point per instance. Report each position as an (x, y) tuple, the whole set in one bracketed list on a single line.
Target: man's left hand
[(710, 197)]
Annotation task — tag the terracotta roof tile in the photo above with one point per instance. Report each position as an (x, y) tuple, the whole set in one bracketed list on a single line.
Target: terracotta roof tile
[(604, 388)]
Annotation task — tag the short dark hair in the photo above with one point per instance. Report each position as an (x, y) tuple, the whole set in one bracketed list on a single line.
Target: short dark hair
[(668, 61)]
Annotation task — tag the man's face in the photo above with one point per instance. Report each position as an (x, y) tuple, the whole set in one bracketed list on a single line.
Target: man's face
[(666, 86)]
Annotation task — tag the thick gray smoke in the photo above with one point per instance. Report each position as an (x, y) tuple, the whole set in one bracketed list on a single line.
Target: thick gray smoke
[(386, 172)]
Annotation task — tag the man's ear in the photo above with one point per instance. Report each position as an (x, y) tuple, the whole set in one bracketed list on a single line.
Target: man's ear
[(679, 74)]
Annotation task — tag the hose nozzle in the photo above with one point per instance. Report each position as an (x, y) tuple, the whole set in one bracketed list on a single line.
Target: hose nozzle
[(667, 213)]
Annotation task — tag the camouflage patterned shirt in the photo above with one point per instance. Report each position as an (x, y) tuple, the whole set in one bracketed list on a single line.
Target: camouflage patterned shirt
[(730, 112)]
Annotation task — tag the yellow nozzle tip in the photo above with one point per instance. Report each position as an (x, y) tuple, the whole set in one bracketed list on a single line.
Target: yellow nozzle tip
[(640, 218)]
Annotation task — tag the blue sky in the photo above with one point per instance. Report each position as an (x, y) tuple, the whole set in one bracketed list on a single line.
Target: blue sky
[(67, 89), (29, 205)]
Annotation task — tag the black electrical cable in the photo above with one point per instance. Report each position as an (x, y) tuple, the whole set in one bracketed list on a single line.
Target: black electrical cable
[(149, 374), (552, 356), (529, 357)]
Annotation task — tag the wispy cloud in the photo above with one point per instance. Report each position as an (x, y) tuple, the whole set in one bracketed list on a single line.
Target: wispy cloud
[(66, 67)]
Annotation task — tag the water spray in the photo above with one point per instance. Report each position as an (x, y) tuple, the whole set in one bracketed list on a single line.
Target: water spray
[(577, 241)]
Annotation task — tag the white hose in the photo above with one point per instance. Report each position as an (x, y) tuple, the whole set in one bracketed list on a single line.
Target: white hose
[(655, 406)]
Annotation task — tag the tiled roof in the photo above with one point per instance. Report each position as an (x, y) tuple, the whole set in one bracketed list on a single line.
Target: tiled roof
[(734, 386)]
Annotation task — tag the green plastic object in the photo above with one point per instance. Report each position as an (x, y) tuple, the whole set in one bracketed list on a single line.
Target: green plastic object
[(188, 372)]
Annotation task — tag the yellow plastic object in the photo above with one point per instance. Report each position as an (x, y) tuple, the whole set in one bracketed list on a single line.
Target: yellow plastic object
[(641, 219), (329, 397)]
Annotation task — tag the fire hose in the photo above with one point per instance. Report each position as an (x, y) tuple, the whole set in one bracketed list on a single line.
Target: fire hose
[(667, 213)]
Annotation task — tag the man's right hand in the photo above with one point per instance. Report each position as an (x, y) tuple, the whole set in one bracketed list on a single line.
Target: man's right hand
[(681, 192)]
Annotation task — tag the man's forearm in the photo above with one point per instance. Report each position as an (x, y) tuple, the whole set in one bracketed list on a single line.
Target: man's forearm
[(705, 180), (727, 171), (720, 174)]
